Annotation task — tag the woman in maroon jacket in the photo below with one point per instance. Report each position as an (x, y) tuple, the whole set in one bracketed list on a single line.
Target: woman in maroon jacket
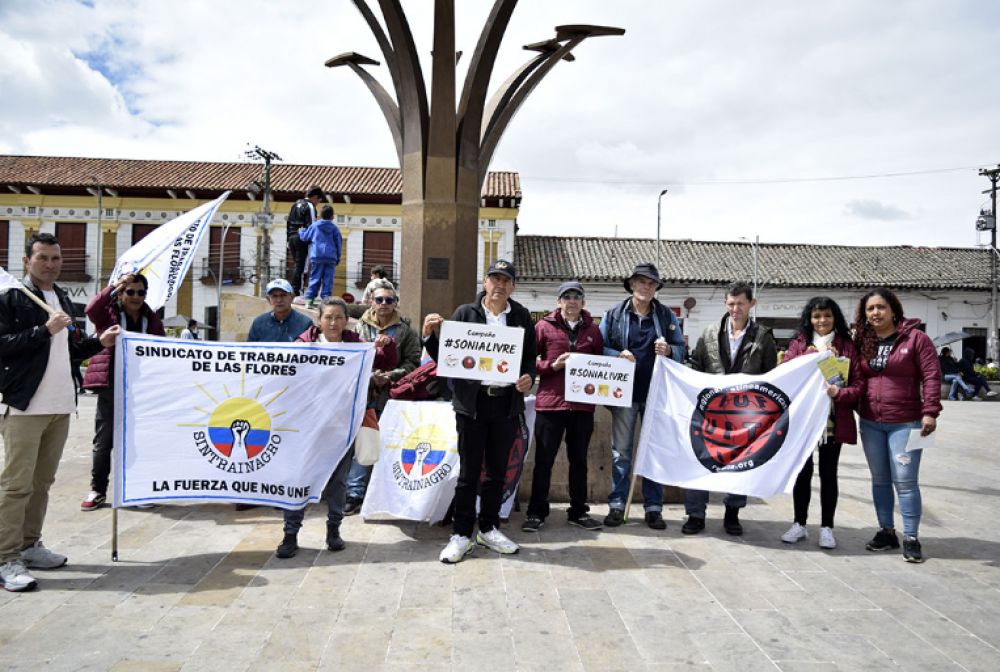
[(124, 304), (822, 327), (903, 394), (565, 330), (333, 319)]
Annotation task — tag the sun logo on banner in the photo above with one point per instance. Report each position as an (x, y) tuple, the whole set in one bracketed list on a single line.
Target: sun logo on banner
[(424, 444), (239, 435)]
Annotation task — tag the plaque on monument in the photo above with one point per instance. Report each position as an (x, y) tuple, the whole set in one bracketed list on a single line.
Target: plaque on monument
[(438, 268)]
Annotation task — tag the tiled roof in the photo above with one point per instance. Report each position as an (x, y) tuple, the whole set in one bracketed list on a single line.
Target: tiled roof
[(51, 171), (704, 262)]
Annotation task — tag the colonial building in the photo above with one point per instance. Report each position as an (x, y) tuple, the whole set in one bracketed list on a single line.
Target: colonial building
[(60, 196), (948, 289)]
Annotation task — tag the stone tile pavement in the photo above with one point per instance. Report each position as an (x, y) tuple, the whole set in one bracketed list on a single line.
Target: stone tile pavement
[(198, 587)]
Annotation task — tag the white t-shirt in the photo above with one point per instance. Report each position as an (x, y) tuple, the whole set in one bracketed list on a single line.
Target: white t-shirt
[(55, 394)]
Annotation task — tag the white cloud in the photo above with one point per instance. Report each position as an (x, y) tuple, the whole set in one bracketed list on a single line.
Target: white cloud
[(710, 92)]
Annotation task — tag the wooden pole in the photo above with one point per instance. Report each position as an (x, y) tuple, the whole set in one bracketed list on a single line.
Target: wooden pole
[(114, 534)]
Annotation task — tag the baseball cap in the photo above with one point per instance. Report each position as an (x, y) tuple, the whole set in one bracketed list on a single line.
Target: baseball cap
[(280, 283), (502, 267), (570, 286)]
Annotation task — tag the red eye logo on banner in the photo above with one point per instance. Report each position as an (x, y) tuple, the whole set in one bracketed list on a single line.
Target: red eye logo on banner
[(740, 427)]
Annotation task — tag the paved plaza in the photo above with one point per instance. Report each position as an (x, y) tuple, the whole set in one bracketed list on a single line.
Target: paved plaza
[(199, 588)]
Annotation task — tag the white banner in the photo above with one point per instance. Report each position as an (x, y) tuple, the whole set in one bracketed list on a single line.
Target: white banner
[(416, 475), (742, 434), (259, 423), (165, 255), (480, 352), (596, 379)]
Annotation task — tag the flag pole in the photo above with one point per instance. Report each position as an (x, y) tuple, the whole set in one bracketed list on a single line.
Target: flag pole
[(631, 488), (114, 534)]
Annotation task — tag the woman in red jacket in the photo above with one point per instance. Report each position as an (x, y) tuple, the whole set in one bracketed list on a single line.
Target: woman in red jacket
[(333, 319), (123, 304), (903, 394), (822, 327)]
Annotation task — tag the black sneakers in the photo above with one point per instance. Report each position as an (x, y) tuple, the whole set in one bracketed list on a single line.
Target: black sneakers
[(532, 524), (586, 522), (885, 540), (655, 520), (353, 506), (732, 521), (289, 547), (911, 550), (334, 541), (693, 525), (614, 518)]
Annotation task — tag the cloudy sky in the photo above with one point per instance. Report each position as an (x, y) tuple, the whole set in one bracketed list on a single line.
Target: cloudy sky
[(852, 121)]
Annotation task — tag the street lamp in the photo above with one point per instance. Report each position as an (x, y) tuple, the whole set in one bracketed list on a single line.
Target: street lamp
[(218, 280), (755, 244), (659, 202), (990, 223), (100, 241)]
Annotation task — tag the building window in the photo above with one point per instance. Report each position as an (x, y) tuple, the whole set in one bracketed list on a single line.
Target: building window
[(377, 252), (230, 255), (73, 243), (140, 231)]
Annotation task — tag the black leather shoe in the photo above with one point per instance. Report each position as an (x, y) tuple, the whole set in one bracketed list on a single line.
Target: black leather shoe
[(655, 520), (289, 547), (614, 518), (732, 521), (693, 525), (353, 506), (334, 542)]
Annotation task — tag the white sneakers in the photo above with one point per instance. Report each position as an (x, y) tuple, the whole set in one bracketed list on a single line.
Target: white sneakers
[(495, 540), (991, 393), (37, 556), (15, 577), (798, 532), (795, 533), (458, 547)]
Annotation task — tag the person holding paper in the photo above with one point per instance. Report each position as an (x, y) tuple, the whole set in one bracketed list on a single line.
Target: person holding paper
[(123, 304), (735, 345), (822, 327), (902, 395), (566, 330), (36, 351), (487, 416), (638, 329)]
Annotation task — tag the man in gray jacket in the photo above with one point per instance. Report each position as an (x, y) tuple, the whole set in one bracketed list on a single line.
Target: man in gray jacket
[(733, 345)]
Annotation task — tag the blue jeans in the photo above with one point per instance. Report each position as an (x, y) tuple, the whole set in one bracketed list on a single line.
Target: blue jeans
[(335, 495), (891, 465), (956, 384), (623, 421), (356, 485)]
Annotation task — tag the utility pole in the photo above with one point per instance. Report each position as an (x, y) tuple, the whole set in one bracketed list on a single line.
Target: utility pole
[(266, 222), (991, 343), (100, 236)]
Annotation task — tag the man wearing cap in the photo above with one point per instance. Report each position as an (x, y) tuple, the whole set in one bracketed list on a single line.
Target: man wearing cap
[(736, 344), (487, 416), (566, 330), (638, 329), (281, 324)]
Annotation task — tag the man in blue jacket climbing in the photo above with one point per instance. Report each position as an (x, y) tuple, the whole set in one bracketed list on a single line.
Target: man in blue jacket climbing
[(324, 254)]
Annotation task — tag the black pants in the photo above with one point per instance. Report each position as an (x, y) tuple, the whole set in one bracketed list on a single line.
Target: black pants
[(486, 438), (549, 428), (104, 435), (300, 253), (829, 457)]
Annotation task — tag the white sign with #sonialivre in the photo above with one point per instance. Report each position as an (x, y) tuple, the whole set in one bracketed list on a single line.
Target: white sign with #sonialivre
[(480, 352), (596, 379)]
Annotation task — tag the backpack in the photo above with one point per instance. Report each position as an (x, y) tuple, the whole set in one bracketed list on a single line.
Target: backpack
[(417, 385)]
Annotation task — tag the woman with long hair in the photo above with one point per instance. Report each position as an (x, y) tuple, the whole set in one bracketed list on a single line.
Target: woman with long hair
[(822, 327), (902, 394)]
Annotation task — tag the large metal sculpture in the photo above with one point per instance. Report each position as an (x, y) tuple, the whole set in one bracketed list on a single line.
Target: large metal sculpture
[(445, 150)]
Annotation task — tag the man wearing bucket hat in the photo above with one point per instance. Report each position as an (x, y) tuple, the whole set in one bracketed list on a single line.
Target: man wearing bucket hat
[(639, 329)]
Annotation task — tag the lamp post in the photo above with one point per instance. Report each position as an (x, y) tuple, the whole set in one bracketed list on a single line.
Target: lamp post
[(218, 280), (991, 342), (659, 203), (100, 238), (755, 244)]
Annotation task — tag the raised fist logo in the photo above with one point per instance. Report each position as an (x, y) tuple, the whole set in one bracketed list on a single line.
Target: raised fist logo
[(240, 430), (422, 450)]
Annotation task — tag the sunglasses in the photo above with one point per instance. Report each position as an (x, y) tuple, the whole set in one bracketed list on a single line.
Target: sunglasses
[(384, 299), (135, 292), (572, 297)]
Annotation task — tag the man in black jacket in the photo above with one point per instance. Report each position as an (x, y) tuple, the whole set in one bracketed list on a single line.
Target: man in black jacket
[(487, 414), (301, 216), (36, 351)]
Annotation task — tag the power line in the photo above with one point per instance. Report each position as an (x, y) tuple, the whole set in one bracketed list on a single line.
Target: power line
[(787, 180)]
